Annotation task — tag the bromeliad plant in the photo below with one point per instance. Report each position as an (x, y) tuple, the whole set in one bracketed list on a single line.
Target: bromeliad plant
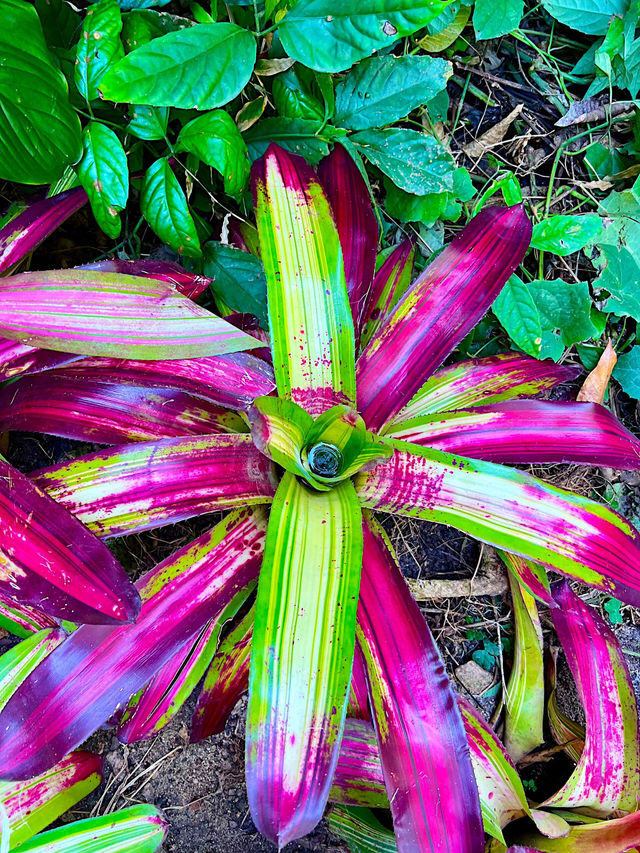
[(355, 418)]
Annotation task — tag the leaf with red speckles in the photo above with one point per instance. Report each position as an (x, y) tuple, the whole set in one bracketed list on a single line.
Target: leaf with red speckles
[(511, 510), (303, 642), (136, 487), (606, 779), (312, 337), (444, 303), (32, 805), (425, 755), (527, 432)]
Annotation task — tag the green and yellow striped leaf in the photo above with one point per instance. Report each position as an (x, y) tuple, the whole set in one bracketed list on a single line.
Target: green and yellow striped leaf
[(524, 697), (302, 655), (312, 337)]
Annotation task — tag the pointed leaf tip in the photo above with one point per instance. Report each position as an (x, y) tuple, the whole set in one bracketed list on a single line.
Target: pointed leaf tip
[(438, 310)]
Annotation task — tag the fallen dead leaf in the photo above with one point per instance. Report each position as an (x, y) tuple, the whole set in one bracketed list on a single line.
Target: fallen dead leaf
[(593, 109), (493, 136), (595, 385)]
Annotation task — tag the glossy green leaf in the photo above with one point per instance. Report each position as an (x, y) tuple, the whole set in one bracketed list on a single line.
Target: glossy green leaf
[(587, 16), (519, 316), (142, 4), (99, 47), (238, 279), (383, 89), (164, 206), (198, 67), (39, 130), (148, 122), (142, 26), (60, 22), (215, 139), (293, 97), (293, 134), (312, 338), (627, 371), (564, 235), (138, 829), (415, 162), (304, 639), (428, 208), (494, 18), (104, 174), (565, 306), (327, 37), (524, 696)]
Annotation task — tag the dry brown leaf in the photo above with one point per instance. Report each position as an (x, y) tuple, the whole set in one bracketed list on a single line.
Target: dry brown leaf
[(595, 385), (594, 109), (493, 136)]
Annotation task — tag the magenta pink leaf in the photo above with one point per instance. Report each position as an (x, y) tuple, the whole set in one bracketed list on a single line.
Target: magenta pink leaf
[(189, 284), (97, 313), (136, 487), (29, 228), (606, 779), (83, 682), (357, 226), (481, 381), (423, 747), (68, 404), (233, 381), (445, 302), (513, 511), (528, 431), (227, 679), (358, 780), (50, 560), (16, 359), (22, 620), (389, 285)]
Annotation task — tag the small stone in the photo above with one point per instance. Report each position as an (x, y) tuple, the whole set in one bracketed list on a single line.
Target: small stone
[(474, 678)]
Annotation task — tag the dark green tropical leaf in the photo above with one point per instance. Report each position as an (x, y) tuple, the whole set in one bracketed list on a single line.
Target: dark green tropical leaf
[(565, 306), (330, 37), (142, 4), (494, 18), (519, 316), (238, 279), (61, 24), (293, 134), (383, 89), (141, 27), (415, 162), (39, 131), (164, 206), (587, 16), (199, 68), (215, 139), (99, 47), (104, 175), (148, 122), (564, 235), (627, 372), (294, 99)]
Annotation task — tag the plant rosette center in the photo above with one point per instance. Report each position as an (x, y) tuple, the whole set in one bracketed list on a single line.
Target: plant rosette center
[(322, 452)]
